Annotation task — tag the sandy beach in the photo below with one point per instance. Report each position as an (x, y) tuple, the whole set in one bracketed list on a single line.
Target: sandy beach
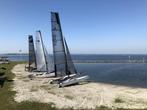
[(89, 95)]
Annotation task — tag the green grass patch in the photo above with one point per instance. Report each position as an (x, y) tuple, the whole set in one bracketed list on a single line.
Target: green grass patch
[(103, 108), (69, 97), (118, 100)]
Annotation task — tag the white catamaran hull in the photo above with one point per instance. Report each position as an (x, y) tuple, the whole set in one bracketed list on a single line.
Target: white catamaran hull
[(48, 75), (58, 80), (41, 75), (72, 81)]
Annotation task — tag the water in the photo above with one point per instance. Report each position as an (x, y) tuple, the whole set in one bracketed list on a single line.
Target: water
[(134, 75), (92, 58), (17, 57), (125, 74)]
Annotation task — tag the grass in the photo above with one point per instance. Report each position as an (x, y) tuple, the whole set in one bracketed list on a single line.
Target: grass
[(7, 96), (118, 100), (69, 97)]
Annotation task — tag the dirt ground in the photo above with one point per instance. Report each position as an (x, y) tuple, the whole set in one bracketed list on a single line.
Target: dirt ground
[(89, 95)]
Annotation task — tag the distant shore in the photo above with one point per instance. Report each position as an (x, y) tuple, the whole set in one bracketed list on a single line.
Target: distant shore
[(89, 58), (108, 61)]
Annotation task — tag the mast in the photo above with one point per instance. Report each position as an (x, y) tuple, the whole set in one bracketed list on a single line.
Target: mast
[(60, 62), (40, 53), (32, 56)]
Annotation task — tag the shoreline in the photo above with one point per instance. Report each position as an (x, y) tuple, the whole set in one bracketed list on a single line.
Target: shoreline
[(86, 96)]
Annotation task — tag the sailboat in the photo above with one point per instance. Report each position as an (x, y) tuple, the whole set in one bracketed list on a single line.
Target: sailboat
[(40, 53), (42, 57), (63, 63), (32, 57)]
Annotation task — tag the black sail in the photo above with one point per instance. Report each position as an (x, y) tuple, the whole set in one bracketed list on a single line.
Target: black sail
[(70, 64), (60, 63), (32, 56)]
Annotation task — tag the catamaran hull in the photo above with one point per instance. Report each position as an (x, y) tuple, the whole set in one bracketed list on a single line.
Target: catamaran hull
[(48, 75), (72, 81), (41, 75), (58, 80)]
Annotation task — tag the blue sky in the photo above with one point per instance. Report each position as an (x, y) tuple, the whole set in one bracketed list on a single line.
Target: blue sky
[(89, 26)]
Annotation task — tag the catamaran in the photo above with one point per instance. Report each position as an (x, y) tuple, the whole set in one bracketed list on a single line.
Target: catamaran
[(63, 64), (40, 61), (44, 65), (32, 57)]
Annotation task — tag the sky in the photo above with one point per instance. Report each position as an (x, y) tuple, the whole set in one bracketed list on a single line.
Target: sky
[(89, 26)]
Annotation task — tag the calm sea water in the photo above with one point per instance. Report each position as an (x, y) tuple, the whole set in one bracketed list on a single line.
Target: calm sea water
[(126, 74), (134, 75)]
